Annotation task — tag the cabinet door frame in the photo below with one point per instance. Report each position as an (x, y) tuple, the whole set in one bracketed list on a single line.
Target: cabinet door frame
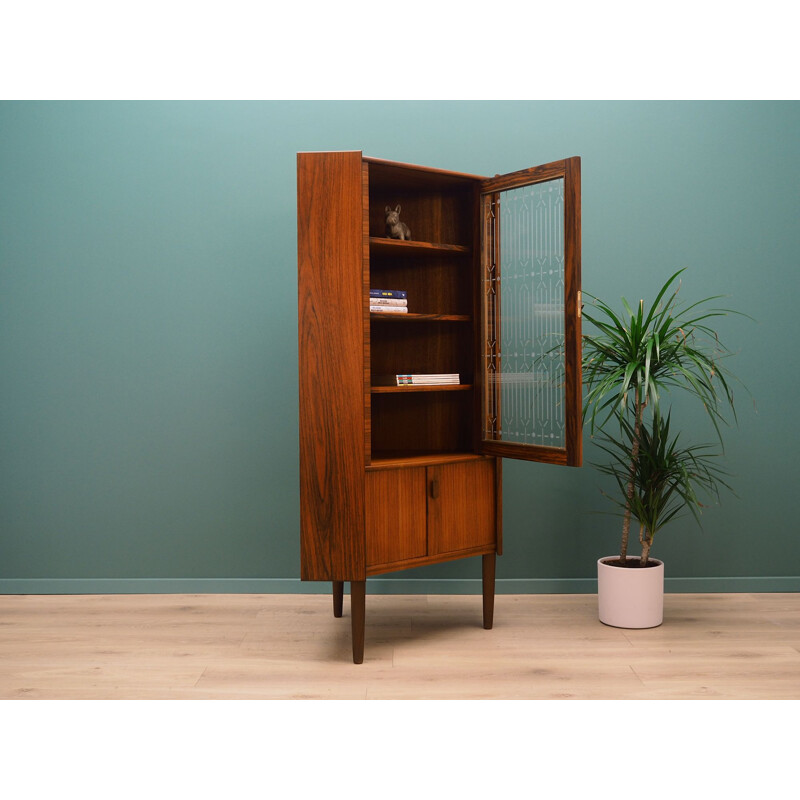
[(571, 453)]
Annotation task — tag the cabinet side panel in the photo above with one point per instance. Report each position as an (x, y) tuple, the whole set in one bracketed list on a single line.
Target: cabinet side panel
[(365, 284), (331, 355)]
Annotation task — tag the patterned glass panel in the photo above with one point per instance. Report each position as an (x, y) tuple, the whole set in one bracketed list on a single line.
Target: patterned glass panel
[(524, 313)]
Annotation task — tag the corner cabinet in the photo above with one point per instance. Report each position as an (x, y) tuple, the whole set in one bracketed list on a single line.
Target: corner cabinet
[(397, 476)]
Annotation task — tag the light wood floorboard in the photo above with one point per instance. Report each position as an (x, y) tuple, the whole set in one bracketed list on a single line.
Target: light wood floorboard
[(713, 646)]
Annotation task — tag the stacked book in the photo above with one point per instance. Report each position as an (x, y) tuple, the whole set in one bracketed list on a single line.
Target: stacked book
[(388, 301), (434, 379)]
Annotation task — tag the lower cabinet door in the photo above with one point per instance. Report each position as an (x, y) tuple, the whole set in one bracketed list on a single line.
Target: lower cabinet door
[(395, 515), (462, 506)]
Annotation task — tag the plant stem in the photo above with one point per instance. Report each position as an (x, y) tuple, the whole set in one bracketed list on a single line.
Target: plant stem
[(647, 541), (626, 520)]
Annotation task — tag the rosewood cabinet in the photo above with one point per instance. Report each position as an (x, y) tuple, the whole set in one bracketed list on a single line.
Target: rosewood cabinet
[(398, 476)]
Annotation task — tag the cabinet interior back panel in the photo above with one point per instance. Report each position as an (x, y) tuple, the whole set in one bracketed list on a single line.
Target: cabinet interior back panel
[(444, 218), (421, 347), (425, 422), (437, 285)]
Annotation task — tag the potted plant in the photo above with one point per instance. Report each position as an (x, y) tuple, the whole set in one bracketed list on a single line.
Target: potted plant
[(629, 363)]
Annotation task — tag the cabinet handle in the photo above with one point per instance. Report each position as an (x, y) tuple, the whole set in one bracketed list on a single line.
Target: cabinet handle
[(435, 488)]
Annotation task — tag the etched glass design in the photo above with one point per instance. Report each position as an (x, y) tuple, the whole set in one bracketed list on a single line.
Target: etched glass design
[(524, 314)]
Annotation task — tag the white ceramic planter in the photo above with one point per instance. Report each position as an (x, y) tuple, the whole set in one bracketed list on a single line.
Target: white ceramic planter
[(628, 597)]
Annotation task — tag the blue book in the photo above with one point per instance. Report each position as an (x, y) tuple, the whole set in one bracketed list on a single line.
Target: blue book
[(396, 293)]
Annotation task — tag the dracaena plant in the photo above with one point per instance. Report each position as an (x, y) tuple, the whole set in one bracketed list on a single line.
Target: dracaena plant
[(633, 359), (667, 478)]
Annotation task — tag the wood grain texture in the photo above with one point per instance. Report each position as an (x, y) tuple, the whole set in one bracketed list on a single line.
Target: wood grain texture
[(412, 317), (396, 515), (256, 646), (461, 506), (365, 281), (421, 422), (400, 247), (488, 569), (398, 174), (331, 344), (434, 284), (426, 347), (522, 177), (358, 618), (436, 216), (338, 598), (498, 482), (476, 269), (572, 313), (392, 460), (436, 271), (425, 561), (454, 387), (488, 345), (525, 452)]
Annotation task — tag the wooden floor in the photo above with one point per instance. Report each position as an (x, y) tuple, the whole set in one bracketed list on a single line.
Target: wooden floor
[(729, 646)]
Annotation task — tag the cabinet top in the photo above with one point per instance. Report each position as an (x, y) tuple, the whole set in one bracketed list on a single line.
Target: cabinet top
[(381, 163), (398, 171)]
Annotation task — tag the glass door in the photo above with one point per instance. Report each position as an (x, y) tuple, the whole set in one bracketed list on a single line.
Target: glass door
[(530, 316)]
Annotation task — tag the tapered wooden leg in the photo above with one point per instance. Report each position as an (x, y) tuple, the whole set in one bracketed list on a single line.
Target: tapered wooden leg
[(338, 595), (489, 562), (357, 612)]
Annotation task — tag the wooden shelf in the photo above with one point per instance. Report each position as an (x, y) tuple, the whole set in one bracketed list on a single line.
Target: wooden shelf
[(447, 387), (389, 317), (385, 246), (403, 458)]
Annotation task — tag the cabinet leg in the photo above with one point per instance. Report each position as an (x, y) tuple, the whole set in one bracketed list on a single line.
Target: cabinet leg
[(489, 562), (357, 612), (338, 595)]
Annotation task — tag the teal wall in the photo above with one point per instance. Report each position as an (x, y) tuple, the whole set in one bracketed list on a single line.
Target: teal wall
[(148, 353)]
